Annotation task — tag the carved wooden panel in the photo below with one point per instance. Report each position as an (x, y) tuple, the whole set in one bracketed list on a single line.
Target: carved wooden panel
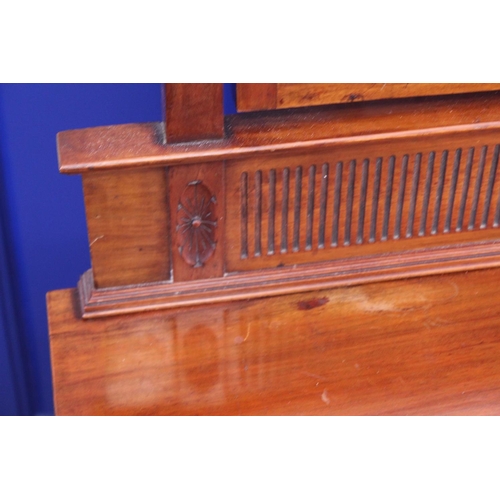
[(319, 207), (197, 220), (288, 201), (196, 223)]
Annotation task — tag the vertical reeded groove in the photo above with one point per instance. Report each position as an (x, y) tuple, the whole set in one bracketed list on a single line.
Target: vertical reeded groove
[(322, 205), (258, 212), (376, 194), (427, 192), (388, 198), (439, 192), (362, 201), (350, 199), (489, 192), (413, 195), (453, 188), (401, 197), (465, 189), (296, 209), (272, 211), (496, 221), (284, 211), (336, 204), (477, 188), (310, 206), (244, 215)]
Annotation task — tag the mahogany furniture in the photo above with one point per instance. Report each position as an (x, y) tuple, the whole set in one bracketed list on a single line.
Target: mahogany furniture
[(421, 346), (232, 256)]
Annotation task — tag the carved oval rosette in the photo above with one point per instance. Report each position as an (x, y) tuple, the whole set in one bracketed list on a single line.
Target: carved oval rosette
[(196, 224)]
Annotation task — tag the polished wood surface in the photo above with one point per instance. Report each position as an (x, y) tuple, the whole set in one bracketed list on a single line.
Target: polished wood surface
[(193, 111), (438, 214), (423, 346), (188, 209), (261, 96), (127, 226), (97, 302), (251, 134), (349, 193), (235, 260), (256, 96), (369, 200)]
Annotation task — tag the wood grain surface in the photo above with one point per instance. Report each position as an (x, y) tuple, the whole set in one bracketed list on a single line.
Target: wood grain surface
[(256, 96), (297, 212), (193, 111), (98, 302), (290, 193), (424, 346), (127, 221), (263, 96), (292, 130), (374, 198), (212, 176)]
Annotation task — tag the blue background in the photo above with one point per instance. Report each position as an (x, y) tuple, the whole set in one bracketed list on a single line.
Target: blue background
[(43, 236)]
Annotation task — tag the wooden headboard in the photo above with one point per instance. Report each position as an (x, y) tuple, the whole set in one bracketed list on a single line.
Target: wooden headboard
[(205, 208), (308, 188)]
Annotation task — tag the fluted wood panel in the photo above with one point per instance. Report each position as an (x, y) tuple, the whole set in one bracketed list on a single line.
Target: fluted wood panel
[(312, 208)]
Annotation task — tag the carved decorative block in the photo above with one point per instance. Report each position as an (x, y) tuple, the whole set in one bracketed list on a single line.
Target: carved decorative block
[(196, 224)]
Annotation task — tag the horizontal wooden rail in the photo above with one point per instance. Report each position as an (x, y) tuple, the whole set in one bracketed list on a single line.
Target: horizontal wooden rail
[(248, 134), (212, 151)]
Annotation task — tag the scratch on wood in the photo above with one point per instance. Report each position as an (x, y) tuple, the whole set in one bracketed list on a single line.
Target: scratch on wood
[(95, 239), (325, 398)]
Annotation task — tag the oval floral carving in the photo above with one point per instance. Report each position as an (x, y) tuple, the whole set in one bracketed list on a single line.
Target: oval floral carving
[(196, 223)]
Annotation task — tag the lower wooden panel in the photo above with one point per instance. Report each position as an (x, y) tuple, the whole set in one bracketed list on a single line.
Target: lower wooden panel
[(419, 346)]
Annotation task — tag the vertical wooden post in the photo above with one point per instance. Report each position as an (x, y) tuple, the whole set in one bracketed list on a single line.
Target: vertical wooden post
[(193, 111)]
